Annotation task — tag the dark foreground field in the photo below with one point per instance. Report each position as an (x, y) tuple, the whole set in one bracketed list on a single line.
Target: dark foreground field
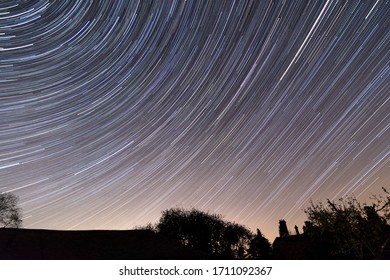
[(36, 244)]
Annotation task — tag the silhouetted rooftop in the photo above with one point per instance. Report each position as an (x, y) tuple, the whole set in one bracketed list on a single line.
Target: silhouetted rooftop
[(29, 244)]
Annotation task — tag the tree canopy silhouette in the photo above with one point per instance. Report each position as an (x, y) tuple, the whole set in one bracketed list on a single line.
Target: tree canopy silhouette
[(10, 213), (350, 228), (260, 248), (206, 232)]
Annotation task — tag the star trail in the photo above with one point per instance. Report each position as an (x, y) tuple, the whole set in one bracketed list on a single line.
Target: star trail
[(113, 111)]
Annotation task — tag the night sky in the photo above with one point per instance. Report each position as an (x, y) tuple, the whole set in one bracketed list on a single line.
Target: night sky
[(113, 111)]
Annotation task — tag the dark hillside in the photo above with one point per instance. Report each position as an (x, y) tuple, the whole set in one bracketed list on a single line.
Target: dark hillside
[(35, 244)]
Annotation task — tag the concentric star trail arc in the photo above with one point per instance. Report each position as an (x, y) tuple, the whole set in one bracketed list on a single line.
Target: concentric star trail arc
[(113, 111)]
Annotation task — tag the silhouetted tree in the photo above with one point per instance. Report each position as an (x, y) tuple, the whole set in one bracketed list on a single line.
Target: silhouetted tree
[(260, 247), (283, 231), (148, 226), (296, 230), (350, 228), (10, 213), (206, 232), (308, 227), (237, 240)]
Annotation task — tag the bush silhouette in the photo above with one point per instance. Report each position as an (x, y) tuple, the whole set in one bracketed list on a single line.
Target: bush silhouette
[(351, 229)]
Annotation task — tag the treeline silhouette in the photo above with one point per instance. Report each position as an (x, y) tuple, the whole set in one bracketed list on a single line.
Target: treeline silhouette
[(345, 229)]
